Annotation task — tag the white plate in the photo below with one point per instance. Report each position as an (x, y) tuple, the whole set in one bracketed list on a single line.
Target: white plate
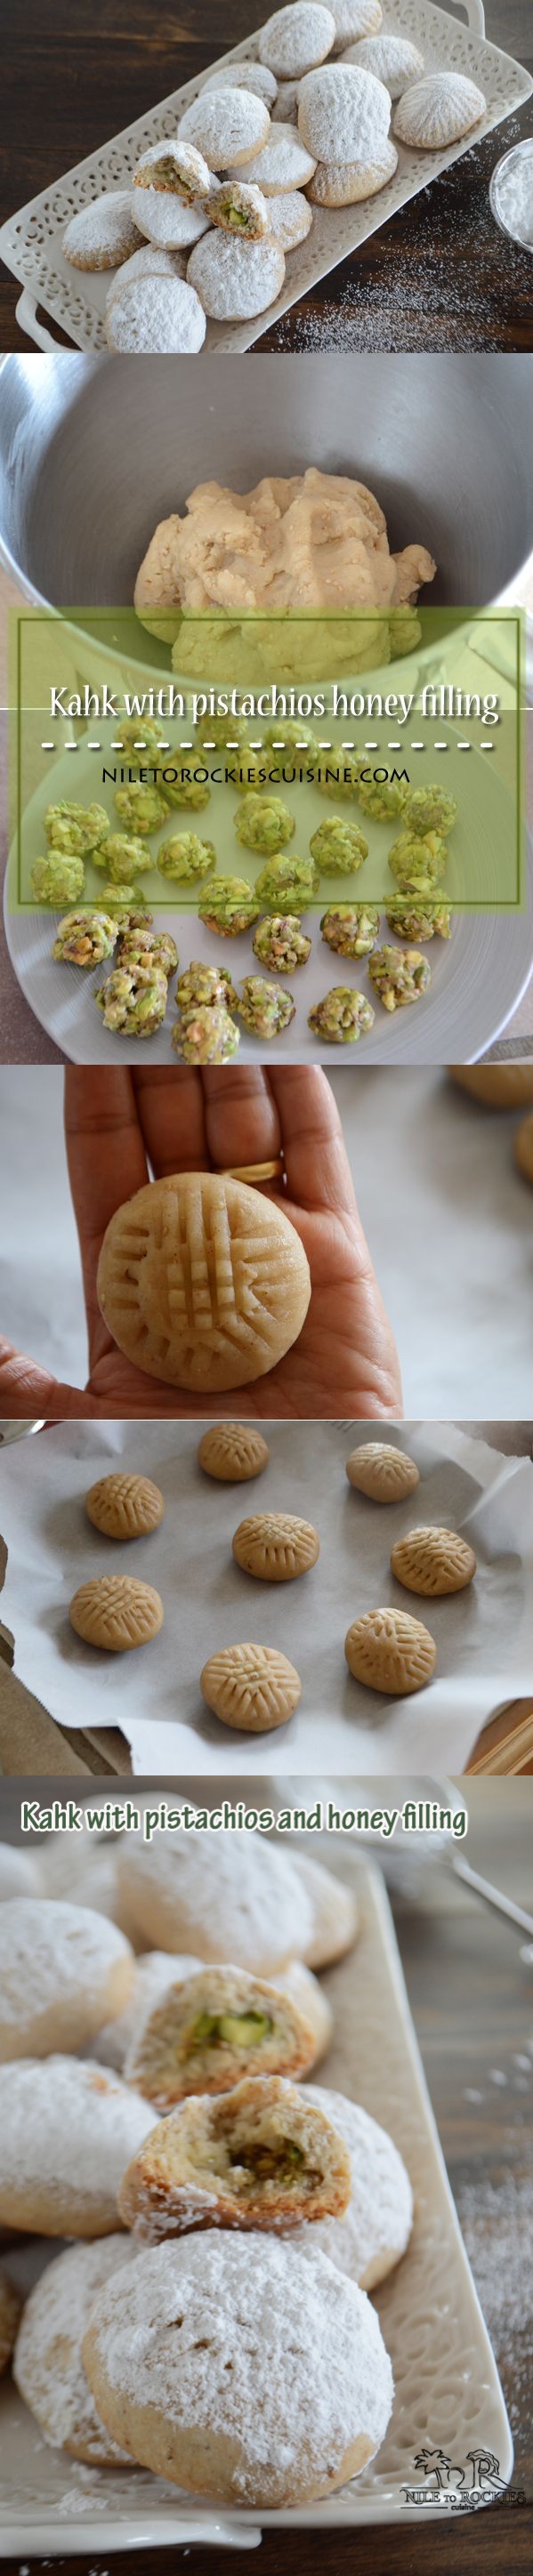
[(30, 243), (448, 2393)]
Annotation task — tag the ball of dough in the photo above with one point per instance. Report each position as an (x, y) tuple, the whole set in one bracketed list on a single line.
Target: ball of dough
[(433, 1561), (388, 1651), (203, 1281), (347, 183), (63, 1971), (251, 1687), (68, 2129), (224, 1897), (116, 1612), (384, 1473), (524, 1149), (305, 2402), (436, 111), (48, 2367), (296, 38), (227, 125), (276, 1546), (205, 2032), (257, 2157), (374, 2232), (497, 1086), (19, 1872), (10, 2309), (233, 1452), (335, 1912), (124, 1506)]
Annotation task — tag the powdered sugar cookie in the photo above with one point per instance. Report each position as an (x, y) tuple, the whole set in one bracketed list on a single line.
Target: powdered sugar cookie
[(236, 279), (10, 2310), (232, 1452), (285, 109), (19, 1873), (49, 2370), (372, 2236), (227, 125), (353, 19), (298, 1981), (153, 1971), (335, 1912), (524, 1149), (296, 38), (433, 1561), (284, 163), (68, 2129), (384, 1473), (167, 222), (233, 1897), (275, 2386), (343, 114), (438, 110), (239, 209), (116, 1612), (155, 313), (388, 1651), (251, 1687), (241, 75), (174, 166), (497, 1086), (124, 1506), (203, 2034), (276, 1546), (392, 59), (63, 1971), (290, 219), (103, 233), (346, 183), (257, 2157)]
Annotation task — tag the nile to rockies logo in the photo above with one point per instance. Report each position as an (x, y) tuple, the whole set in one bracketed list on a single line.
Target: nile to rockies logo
[(447, 2482)]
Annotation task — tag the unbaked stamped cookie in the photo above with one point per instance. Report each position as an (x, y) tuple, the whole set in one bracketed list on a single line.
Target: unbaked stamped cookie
[(124, 1506), (389, 1651), (233, 1452), (251, 1687), (116, 1612), (276, 1546), (433, 1561), (203, 1281), (384, 1473)]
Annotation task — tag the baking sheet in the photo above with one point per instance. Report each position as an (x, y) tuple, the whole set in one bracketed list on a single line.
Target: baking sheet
[(484, 1636)]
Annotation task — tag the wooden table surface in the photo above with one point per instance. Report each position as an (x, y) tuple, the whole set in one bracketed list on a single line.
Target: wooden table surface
[(471, 1998), (439, 275)]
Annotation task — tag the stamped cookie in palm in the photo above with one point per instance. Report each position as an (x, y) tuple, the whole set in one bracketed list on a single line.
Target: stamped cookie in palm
[(433, 1561), (253, 1688), (233, 1452), (261, 2156), (389, 1651), (124, 1507), (276, 1546), (203, 1281), (384, 1473), (116, 1612), (202, 2035)]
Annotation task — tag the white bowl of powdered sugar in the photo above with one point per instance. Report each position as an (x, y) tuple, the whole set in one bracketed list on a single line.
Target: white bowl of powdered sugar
[(511, 194)]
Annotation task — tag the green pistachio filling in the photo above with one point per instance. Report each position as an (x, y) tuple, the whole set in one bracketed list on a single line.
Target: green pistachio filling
[(235, 2030)]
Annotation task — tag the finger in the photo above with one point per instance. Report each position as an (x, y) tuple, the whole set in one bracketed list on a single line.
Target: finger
[(316, 1161), (241, 1119), (106, 1162), (170, 1106), (28, 1393)]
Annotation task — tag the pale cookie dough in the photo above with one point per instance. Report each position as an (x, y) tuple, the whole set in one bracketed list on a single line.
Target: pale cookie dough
[(224, 1897), (433, 1561), (239, 1281), (310, 540), (232, 1452), (116, 1612), (290, 218), (343, 114), (241, 75), (238, 207), (335, 1912), (48, 2367), (156, 313), (154, 1970), (374, 2232), (63, 1971), (276, 1547), (227, 126), (124, 1506), (347, 183), (275, 2389), (204, 2033), (355, 19), (283, 164), (295, 39), (524, 1149), (103, 233), (384, 1473), (68, 2129), (10, 2310), (236, 279), (174, 166), (389, 1651), (497, 1086), (392, 59), (256, 2157), (253, 1688), (167, 222), (436, 111)]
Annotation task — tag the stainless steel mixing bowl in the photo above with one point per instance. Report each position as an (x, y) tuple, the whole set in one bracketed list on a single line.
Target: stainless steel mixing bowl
[(93, 451)]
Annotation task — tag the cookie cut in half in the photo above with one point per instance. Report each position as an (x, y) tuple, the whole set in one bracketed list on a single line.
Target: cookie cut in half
[(49, 2370), (276, 1546), (383, 1473), (388, 1651), (116, 1612), (124, 1507), (260, 2156), (203, 1281), (201, 2035), (433, 1561), (251, 1687), (233, 1452)]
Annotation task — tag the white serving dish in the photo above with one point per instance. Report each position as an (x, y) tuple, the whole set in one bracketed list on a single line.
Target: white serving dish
[(30, 242), (448, 2394)]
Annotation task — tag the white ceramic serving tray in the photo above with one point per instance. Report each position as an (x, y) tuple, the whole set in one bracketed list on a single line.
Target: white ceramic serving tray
[(30, 243), (448, 2395)]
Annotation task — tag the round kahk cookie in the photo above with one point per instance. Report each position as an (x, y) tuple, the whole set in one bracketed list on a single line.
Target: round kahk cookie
[(276, 1546), (49, 2370), (433, 1561), (343, 114), (497, 1086), (227, 126), (436, 111), (355, 19), (233, 1452), (372, 2236), (220, 1896), (335, 1912), (283, 164), (103, 233), (124, 1506), (68, 2129), (251, 1687), (203, 1281), (391, 58), (297, 38), (257, 2157), (390, 1652), (156, 313), (209, 2029), (384, 1473), (63, 1971), (347, 183), (236, 279), (116, 1612)]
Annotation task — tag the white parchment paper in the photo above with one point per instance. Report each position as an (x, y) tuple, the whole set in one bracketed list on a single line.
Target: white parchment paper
[(484, 1636)]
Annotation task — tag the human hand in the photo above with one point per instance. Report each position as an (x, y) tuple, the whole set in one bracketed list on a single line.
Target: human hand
[(344, 1362)]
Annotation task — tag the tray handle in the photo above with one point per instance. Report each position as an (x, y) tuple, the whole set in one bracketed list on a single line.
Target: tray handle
[(474, 14), (26, 316)]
